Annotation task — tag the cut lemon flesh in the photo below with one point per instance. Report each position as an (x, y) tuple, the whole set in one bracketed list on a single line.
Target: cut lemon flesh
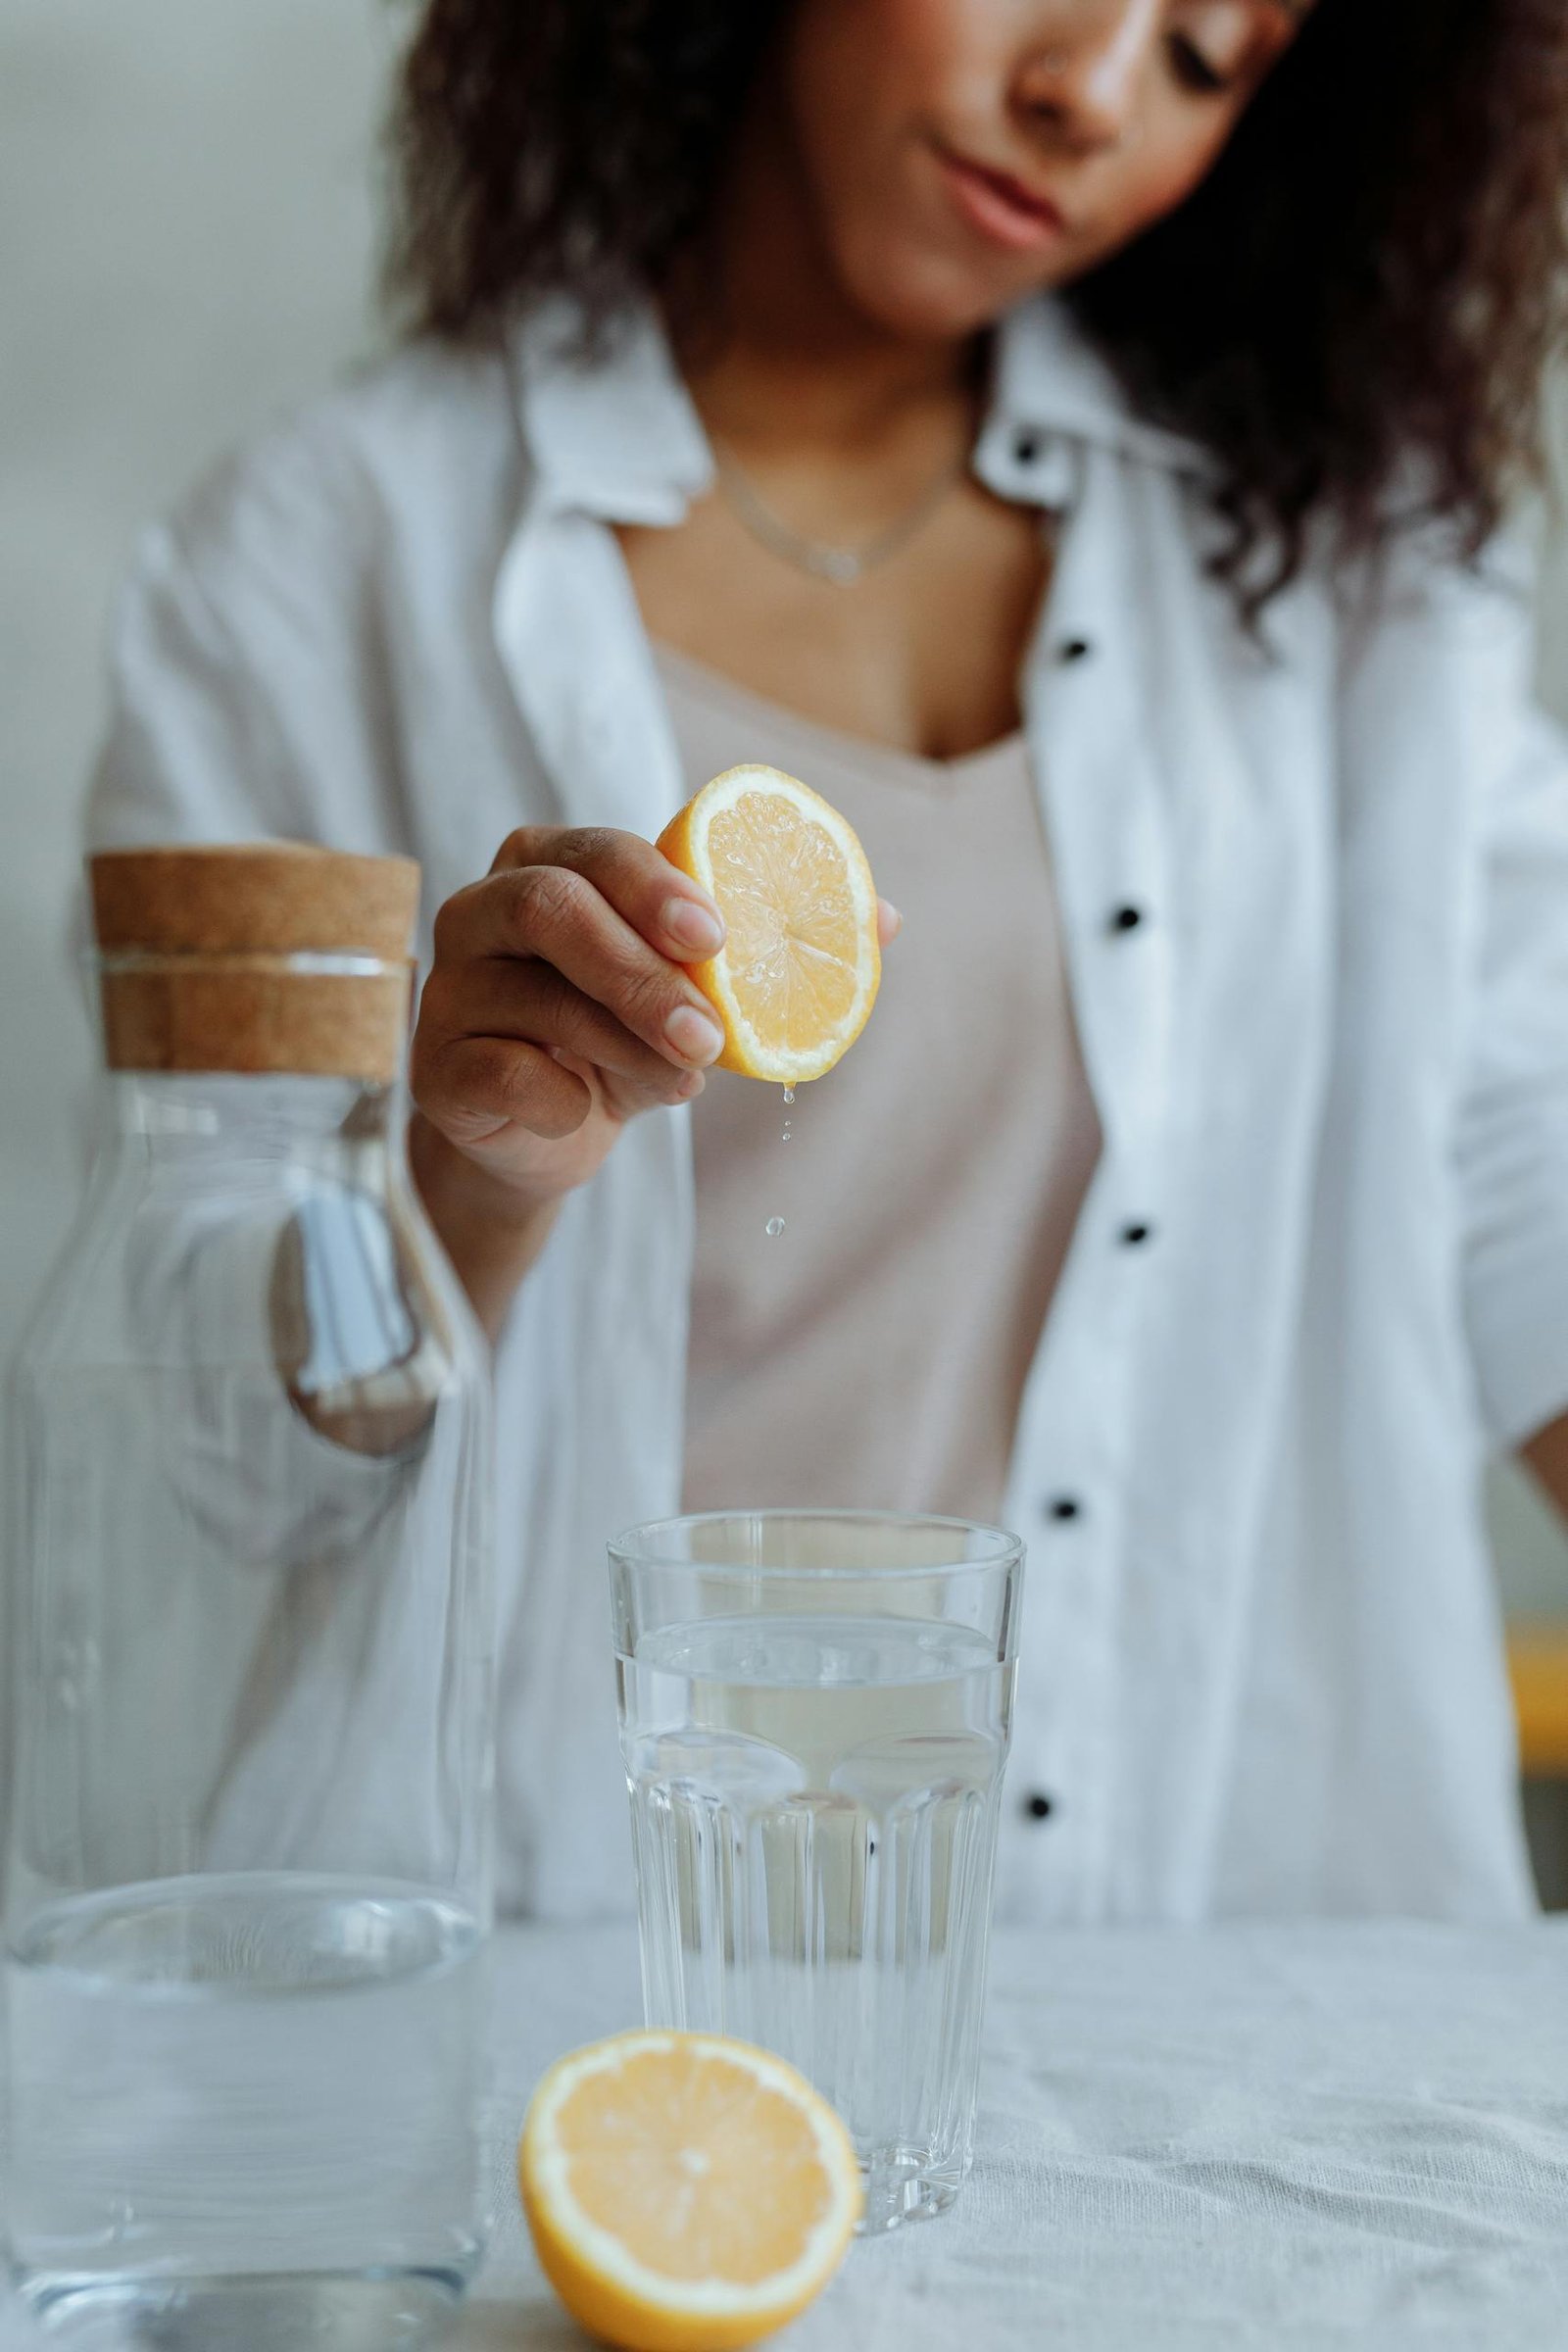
[(685, 2192), (797, 976)]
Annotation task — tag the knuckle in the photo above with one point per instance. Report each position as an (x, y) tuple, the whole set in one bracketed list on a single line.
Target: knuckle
[(626, 867), (517, 849), (489, 1074), (549, 898), (451, 919), (596, 845), (522, 898), (522, 1086), (522, 1083)]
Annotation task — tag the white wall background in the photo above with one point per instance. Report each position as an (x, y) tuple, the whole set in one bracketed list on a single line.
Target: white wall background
[(187, 199), (186, 237)]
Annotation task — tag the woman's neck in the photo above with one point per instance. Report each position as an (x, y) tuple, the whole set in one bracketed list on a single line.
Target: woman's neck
[(792, 356)]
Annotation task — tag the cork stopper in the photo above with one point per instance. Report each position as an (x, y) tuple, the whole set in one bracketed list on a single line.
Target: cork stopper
[(272, 956)]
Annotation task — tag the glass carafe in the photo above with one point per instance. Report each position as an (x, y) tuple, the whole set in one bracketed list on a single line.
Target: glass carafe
[(247, 1891)]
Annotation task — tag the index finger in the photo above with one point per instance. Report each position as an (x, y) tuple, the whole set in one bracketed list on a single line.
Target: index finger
[(667, 907)]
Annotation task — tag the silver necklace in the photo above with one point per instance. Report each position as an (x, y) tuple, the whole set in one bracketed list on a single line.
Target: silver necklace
[(842, 565)]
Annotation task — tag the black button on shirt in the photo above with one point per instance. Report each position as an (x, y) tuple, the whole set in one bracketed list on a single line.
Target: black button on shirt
[(1135, 1235), (1074, 648), (1126, 919), (1038, 1805), (1026, 448), (1064, 1507)]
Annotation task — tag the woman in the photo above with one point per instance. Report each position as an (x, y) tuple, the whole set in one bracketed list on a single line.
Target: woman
[(989, 409)]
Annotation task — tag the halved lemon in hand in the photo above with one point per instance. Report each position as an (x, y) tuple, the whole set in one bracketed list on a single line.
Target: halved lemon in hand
[(797, 976), (685, 2192)]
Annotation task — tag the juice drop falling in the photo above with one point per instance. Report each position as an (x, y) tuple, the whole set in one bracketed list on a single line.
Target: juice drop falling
[(775, 1225), (773, 1228)]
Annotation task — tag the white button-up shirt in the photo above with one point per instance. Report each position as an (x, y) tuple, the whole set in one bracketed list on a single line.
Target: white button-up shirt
[(1315, 905)]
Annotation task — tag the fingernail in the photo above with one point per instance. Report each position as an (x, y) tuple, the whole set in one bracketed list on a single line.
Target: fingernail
[(693, 926), (695, 1036), (891, 917), (689, 1086)]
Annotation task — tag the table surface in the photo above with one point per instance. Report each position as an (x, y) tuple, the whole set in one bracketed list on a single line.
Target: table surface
[(1282, 2136)]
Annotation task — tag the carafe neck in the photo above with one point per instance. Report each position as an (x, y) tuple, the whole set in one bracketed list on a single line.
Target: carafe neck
[(187, 1119)]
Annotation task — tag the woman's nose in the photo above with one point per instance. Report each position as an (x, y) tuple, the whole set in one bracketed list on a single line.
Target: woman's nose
[(1082, 77)]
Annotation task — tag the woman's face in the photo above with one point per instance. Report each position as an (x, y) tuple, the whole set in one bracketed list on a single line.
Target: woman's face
[(959, 154)]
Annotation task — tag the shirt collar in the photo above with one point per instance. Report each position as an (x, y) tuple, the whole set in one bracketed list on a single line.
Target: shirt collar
[(611, 432), (615, 434), (1052, 395)]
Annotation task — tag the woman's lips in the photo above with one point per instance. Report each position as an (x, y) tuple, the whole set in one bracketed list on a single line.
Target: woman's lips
[(999, 206)]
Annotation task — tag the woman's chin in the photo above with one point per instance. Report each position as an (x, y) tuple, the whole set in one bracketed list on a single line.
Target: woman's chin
[(925, 298)]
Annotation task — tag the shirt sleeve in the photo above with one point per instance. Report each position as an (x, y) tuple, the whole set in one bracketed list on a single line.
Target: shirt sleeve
[(1513, 1134), (248, 699), (239, 705)]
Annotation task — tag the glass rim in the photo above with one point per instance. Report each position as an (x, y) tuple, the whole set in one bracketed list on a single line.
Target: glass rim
[(638, 1548)]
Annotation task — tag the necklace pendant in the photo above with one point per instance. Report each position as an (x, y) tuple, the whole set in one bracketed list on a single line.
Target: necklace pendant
[(840, 564)]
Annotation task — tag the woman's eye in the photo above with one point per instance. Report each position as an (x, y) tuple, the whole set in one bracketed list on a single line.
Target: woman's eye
[(1193, 71)]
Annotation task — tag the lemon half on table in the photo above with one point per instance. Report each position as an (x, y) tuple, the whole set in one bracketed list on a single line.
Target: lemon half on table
[(797, 977), (685, 2192)]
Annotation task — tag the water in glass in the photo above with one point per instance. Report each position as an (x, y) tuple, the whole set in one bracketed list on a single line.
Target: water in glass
[(815, 1804)]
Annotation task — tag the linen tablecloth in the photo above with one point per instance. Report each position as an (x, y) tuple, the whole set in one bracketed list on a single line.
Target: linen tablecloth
[(1285, 2136)]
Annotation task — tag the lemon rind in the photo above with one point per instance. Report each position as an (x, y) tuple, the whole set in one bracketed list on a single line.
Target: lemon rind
[(547, 2173)]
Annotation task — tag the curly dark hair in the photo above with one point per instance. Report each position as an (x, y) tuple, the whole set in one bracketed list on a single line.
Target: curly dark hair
[(1365, 291)]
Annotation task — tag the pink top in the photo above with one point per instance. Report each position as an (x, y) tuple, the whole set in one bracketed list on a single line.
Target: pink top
[(872, 1353)]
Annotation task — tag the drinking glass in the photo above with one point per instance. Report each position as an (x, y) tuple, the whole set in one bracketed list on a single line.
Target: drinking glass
[(815, 1708)]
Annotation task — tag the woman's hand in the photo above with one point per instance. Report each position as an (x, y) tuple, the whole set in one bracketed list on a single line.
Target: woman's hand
[(556, 1008), (555, 1011)]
